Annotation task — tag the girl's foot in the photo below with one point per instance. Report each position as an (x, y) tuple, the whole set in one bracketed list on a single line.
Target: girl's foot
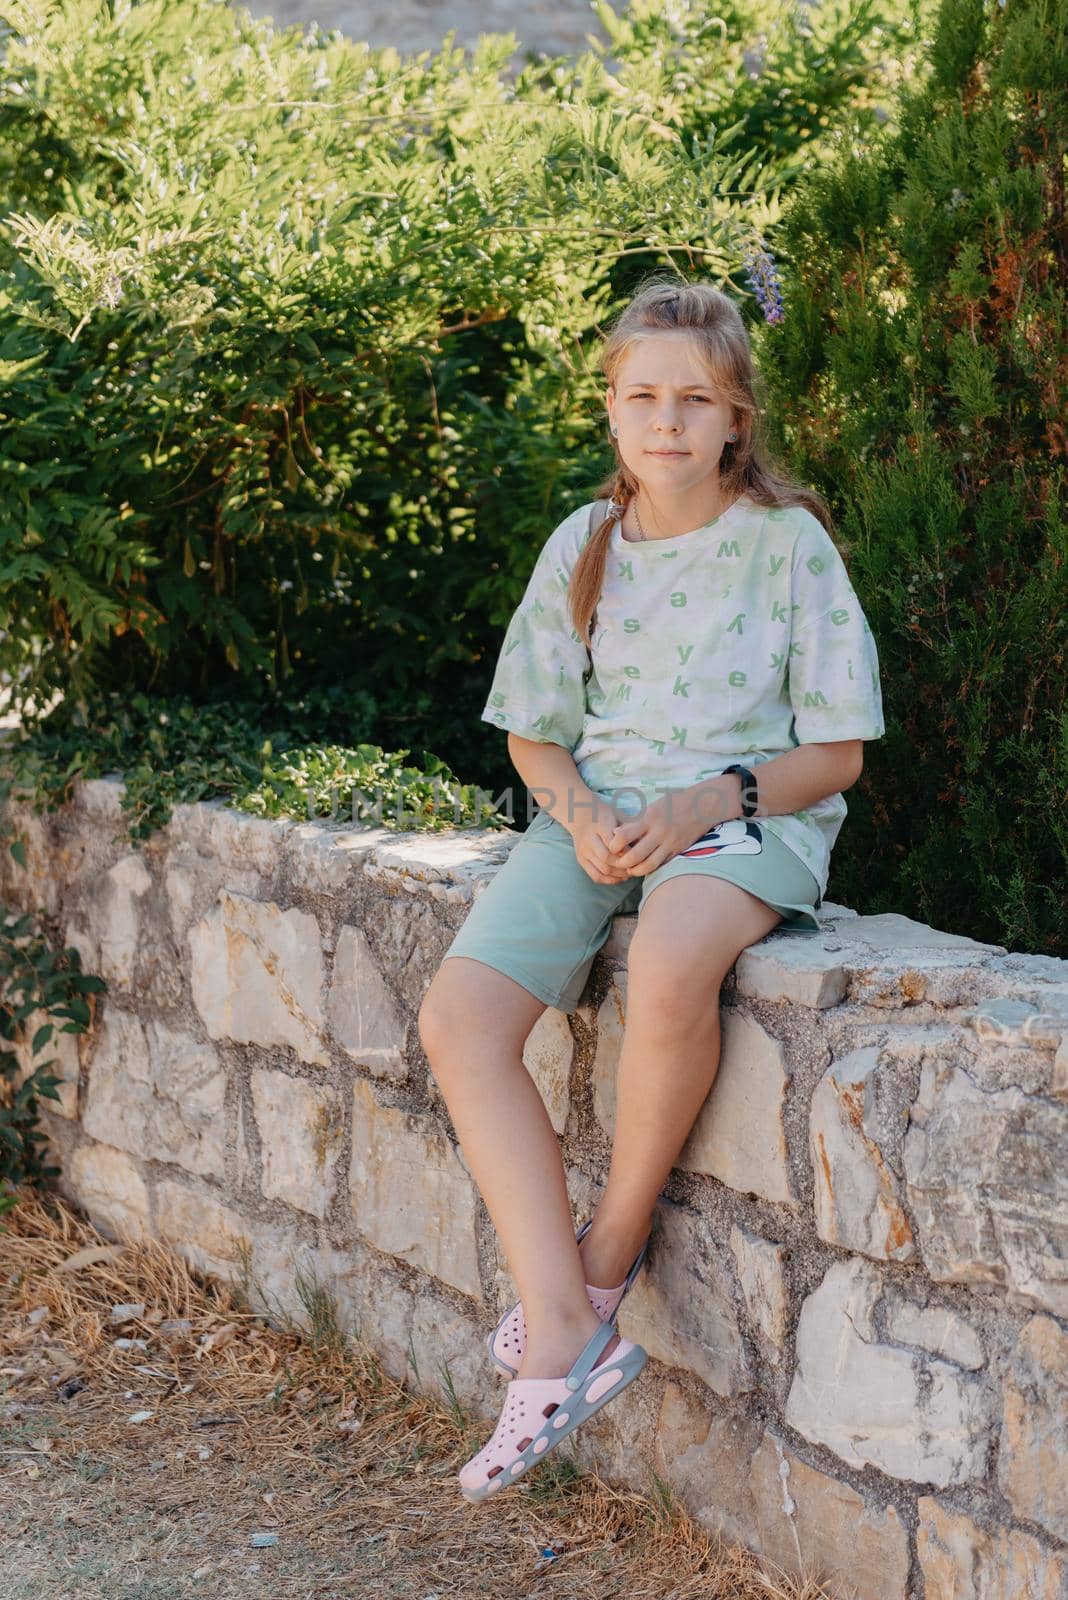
[(552, 1353), (608, 1252)]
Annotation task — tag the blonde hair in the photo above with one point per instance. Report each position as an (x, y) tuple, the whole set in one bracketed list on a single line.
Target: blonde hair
[(715, 324)]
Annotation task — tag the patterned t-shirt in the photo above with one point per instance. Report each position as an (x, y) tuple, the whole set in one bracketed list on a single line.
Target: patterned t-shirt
[(735, 642)]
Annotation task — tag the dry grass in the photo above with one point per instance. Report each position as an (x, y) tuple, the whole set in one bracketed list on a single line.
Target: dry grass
[(256, 1431)]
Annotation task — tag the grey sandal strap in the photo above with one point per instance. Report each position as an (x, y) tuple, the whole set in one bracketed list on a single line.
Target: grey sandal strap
[(590, 1356)]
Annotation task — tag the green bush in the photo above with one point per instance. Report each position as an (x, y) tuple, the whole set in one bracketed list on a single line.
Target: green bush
[(921, 371), (34, 979), (270, 762), (293, 333)]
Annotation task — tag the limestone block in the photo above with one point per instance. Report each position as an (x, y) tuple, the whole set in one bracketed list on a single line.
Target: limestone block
[(257, 975), (937, 1329), (61, 1051), (857, 1197), (961, 1561), (300, 1126), (211, 1236), (157, 1092), (374, 1306), (282, 1275), (1005, 1020), (409, 940), (309, 1285), (110, 1187), (447, 1349), (1059, 1080), (451, 855), (365, 1020), (988, 1186), (739, 1136), (941, 978), (111, 932), (243, 842), (547, 1057), (180, 882), (324, 857), (1017, 1041), (100, 799), (910, 1414), (889, 961), (791, 971), (616, 947), (809, 1520), (1031, 1467), (705, 1457), (830, 913), (680, 1308), (410, 1194), (891, 931), (191, 883), (761, 1272), (611, 1022)]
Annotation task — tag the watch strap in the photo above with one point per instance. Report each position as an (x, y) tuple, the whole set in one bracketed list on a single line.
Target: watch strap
[(749, 787)]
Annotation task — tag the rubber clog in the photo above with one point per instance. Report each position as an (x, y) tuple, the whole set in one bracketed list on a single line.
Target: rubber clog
[(508, 1339), (539, 1413)]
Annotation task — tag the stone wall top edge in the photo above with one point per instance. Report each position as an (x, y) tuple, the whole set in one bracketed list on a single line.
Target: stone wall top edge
[(885, 943)]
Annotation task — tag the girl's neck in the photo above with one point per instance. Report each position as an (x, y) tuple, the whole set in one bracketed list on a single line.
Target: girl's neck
[(642, 517)]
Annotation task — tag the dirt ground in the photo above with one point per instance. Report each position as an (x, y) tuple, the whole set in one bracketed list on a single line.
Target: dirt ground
[(180, 1446)]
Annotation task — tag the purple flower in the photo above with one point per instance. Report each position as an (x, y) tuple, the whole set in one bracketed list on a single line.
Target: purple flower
[(763, 279)]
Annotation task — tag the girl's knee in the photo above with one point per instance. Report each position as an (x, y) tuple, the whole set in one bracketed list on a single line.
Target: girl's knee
[(677, 995), (471, 1010)]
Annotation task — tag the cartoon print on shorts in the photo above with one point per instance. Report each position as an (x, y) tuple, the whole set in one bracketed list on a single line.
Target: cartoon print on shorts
[(734, 838)]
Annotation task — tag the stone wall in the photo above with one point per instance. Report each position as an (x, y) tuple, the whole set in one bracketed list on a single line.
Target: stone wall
[(856, 1303)]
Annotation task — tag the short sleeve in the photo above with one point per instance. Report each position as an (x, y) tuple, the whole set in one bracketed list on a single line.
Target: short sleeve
[(834, 667), (539, 685)]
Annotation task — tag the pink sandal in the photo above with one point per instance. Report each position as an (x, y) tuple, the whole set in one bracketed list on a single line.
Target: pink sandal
[(539, 1412), (509, 1338)]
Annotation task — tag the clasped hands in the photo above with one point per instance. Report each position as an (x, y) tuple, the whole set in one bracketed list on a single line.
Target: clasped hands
[(611, 849)]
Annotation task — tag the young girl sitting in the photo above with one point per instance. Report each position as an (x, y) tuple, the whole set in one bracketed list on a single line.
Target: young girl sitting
[(687, 684)]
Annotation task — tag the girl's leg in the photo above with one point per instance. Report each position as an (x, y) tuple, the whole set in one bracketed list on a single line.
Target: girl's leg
[(473, 1024), (691, 930)]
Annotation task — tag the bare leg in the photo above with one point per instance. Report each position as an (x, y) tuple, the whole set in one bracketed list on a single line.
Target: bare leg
[(691, 931), (473, 1024)]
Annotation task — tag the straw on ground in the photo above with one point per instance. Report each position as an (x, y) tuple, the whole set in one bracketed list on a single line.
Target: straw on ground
[(159, 1439)]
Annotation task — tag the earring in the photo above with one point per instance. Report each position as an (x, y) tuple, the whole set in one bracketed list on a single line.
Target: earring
[(731, 437), (615, 430)]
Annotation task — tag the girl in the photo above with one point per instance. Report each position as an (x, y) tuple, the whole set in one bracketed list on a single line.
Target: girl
[(687, 684)]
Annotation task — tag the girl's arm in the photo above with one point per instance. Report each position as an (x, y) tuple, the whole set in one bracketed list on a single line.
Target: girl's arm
[(786, 784), (549, 771)]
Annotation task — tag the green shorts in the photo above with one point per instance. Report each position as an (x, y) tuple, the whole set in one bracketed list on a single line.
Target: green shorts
[(542, 918)]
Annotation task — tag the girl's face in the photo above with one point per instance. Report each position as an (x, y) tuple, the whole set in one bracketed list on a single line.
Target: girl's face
[(672, 423)]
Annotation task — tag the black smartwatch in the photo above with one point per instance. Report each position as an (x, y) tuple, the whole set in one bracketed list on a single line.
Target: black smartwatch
[(749, 788)]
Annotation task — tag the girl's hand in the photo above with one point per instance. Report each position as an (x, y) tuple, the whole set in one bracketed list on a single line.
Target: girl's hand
[(591, 847), (644, 843)]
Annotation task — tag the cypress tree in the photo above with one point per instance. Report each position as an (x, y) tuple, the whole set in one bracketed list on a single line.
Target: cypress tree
[(919, 373)]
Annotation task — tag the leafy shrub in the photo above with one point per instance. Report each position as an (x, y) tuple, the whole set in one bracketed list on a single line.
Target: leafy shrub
[(921, 372), (269, 763), (293, 333), (33, 979)]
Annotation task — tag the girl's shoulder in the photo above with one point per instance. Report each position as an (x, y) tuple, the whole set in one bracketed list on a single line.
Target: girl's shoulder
[(808, 538), (566, 540)]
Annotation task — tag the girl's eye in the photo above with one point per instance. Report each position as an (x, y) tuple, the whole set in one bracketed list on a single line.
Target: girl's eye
[(645, 395)]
